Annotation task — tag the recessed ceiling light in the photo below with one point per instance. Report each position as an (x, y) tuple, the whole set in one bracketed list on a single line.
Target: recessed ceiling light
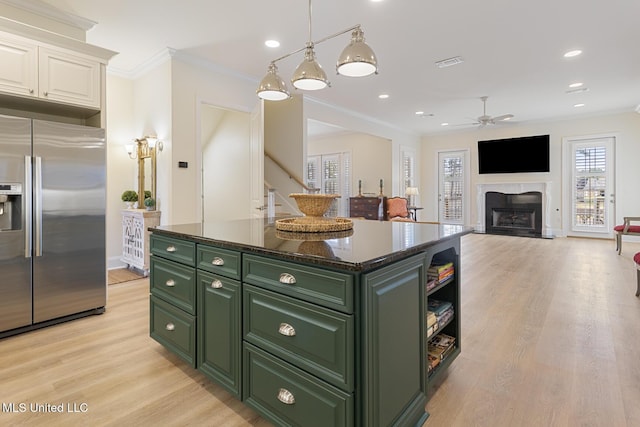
[(572, 53), (576, 84), (449, 62), (419, 113), (383, 96), (578, 105), (272, 43), (578, 90), (444, 124)]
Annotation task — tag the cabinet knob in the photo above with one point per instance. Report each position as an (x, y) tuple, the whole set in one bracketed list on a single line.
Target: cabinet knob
[(171, 249), (45, 93), (286, 397), (31, 91), (287, 330), (216, 284), (287, 278), (170, 283), (170, 327), (217, 261)]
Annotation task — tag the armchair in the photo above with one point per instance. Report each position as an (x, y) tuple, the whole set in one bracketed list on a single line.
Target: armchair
[(626, 229), (397, 209)]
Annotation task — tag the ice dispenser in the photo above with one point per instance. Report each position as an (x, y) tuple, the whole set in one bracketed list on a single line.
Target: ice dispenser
[(10, 207)]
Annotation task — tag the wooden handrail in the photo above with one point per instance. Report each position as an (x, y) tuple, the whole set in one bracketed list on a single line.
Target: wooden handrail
[(291, 175)]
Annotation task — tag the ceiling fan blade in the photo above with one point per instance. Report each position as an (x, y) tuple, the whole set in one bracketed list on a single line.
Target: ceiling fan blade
[(466, 124), (502, 118)]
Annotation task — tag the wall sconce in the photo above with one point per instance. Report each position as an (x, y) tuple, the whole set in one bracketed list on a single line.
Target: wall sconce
[(145, 148)]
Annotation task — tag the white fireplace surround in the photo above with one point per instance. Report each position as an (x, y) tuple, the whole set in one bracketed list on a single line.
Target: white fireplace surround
[(515, 188)]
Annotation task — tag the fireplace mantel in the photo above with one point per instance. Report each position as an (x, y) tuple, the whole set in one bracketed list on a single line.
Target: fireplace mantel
[(515, 188)]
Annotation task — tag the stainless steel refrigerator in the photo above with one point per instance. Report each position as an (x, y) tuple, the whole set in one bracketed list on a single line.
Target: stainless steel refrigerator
[(52, 223)]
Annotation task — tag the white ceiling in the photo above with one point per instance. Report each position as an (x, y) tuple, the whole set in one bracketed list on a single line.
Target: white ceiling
[(512, 50)]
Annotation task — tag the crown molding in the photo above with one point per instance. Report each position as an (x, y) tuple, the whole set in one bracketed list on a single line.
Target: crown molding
[(47, 11)]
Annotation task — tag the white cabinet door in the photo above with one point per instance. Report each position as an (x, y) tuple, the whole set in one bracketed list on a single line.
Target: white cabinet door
[(18, 72), (69, 78)]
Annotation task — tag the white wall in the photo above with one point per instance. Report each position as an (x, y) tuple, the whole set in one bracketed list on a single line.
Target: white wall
[(369, 159), (626, 127), (225, 163), (121, 170), (356, 123)]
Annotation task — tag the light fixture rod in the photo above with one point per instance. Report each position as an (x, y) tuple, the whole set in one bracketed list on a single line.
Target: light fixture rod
[(316, 42)]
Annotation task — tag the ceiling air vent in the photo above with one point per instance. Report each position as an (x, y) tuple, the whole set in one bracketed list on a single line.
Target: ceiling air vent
[(449, 62)]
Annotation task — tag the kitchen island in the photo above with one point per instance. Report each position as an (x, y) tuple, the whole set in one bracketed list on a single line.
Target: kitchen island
[(311, 328)]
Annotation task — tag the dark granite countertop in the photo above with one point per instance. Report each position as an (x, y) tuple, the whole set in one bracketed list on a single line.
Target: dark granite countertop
[(370, 244)]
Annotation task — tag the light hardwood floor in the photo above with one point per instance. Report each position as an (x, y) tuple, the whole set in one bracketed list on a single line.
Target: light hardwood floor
[(550, 337)]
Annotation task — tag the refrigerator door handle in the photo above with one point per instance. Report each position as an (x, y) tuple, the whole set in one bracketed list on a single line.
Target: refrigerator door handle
[(38, 206), (28, 207)]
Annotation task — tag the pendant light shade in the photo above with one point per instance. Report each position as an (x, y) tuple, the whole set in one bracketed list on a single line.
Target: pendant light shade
[(309, 75), (357, 59), (272, 87)]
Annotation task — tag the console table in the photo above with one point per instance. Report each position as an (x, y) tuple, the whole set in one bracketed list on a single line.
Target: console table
[(135, 237)]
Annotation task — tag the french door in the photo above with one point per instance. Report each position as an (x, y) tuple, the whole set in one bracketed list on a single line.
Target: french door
[(589, 161), (453, 173)]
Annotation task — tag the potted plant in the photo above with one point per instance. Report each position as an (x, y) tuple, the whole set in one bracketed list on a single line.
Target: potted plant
[(150, 203), (129, 197)]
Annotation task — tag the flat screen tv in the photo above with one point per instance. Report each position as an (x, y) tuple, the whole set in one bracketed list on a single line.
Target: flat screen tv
[(514, 155)]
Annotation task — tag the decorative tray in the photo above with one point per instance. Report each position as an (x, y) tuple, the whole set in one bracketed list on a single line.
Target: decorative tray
[(307, 224)]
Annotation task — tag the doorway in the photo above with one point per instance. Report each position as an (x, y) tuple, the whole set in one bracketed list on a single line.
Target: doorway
[(225, 137), (453, 187), (589, 186)]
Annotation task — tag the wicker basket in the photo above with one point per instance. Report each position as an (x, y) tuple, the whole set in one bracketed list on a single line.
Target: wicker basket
[(314, 205)]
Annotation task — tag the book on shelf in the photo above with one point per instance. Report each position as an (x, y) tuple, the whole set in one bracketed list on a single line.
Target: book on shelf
[(437, 306), (432, 319), (433, 362), (445, 317), (441, 346)]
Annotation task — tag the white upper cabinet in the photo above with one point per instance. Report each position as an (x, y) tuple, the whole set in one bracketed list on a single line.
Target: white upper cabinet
[(45, 72), (68, 78), (19, 70)]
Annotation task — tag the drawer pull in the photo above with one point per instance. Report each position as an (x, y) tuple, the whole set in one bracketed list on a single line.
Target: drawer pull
[(286, 397), (216, 284), (170, 327), (217, 261), (287, 330), (170, 283), (171, 249), (287, 279)]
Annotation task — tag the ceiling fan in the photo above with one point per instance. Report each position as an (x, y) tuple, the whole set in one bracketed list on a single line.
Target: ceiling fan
[(485, 120)]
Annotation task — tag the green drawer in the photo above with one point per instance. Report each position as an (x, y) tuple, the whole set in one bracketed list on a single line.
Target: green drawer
[(286, 395), (177, 250), (174, 283), (324, 287), (313, 338), (219, 261), (174, 329)]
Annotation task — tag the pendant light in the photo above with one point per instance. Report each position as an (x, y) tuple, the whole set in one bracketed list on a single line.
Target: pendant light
[(356, 60), (309, 75), (272, 87)]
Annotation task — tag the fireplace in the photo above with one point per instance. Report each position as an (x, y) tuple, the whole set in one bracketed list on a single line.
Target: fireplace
[(513, 214)]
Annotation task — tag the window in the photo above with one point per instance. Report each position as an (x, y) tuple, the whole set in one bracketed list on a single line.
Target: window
[(331, 173)]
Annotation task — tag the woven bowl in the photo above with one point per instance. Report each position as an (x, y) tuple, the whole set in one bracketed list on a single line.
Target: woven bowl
[(315, 205)]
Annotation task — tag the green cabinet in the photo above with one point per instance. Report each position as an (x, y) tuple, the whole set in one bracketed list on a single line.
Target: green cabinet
[(172, 283), (301, 343), (394, 354), (219, 334)]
